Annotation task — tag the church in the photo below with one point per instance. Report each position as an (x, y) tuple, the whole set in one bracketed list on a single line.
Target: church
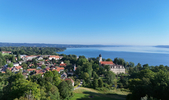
[(117, 69)]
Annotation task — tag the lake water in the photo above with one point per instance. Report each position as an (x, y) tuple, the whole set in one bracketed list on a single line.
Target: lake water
[(137, 54)]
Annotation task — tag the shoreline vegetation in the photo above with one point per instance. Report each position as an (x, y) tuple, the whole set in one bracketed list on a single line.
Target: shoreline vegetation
[(3, 44), (33, 50)]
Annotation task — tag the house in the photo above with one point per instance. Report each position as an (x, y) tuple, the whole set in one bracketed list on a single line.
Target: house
[(62, 64), (15, 69), (64, 75), (22, 56), (20, 62), (29, 57), (8, 61), (25, 74), (70, 73), (31, 70), (3, 52), (16, 58), (70, 80), (58, 69), (47, 69), (40, 58), (15, 64), (39, 71), (54, 57), (117, 69)]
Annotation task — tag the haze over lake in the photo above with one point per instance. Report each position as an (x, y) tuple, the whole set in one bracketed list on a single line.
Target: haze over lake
[(137, 54)]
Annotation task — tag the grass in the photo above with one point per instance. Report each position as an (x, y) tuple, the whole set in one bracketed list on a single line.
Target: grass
[(90, 94), (5, 54)]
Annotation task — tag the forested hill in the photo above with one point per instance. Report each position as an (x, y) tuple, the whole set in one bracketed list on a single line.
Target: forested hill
[(52, 45), (33, 50)]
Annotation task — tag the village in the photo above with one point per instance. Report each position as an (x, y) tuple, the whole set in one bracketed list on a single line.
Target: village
[(44, 64)]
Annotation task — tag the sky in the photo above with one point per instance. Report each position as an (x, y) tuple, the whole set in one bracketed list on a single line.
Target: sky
[(109, 22)]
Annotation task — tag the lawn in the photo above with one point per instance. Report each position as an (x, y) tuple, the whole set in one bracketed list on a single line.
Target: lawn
[(5, 54), (91, 94)]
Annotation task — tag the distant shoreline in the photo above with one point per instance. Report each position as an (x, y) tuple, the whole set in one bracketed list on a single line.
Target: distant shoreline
[(5, 44)]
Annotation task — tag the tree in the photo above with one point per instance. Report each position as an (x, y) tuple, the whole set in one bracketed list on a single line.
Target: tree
[(13, 59), (10, 65), (81, 61), (54, 93), (131, 64), (49, 76), (56, 78), (43, 66), (85, 75), (100, 83), (64, 90), (108, 59), (18, 86), (116, 61), (95, 83), (107, 67), (110, 76), (95, 76), (24, 65)]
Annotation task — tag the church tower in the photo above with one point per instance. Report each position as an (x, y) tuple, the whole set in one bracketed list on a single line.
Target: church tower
[(100, 58)]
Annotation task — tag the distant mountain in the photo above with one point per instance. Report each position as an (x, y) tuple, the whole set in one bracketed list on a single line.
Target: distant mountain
[(52, 45), (162, 46)]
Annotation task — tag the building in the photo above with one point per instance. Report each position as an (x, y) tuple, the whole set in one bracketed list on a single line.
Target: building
[(70, 80), (15, 64), (29, 57), (117, 69), (40, 58), (62, 64), (31, 70), (15, 69), (54, 57), (3, 52)]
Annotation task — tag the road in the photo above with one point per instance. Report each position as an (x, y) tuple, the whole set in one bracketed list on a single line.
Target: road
[(78, 85)]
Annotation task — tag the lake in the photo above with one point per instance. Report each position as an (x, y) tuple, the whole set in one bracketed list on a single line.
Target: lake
[(137, 54)]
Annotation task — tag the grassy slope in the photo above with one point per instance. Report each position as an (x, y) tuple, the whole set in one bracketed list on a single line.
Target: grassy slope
[(85, 93)]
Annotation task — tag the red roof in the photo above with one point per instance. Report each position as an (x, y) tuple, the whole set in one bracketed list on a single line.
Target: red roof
[(54, 57), (69, 79), (63, 64), (106, 63), (47, 68), (6, 51), (30, 69), (39, 71), (61, 68), (18, 67)]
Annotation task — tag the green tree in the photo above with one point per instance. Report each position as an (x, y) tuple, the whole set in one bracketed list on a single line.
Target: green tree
[(95, 83), (10, 65), (100, 83), (64, 90), (107, 67), (108, 59), (18, 86), (43, 66), (110, 76)]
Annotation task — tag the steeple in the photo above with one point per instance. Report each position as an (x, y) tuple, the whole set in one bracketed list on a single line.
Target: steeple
[(100, 58)]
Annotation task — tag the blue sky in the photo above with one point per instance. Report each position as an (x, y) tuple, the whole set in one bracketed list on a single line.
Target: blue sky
[(125, 22)]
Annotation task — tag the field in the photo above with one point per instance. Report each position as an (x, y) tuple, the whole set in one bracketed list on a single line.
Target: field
[(91, 94), (5, 54)]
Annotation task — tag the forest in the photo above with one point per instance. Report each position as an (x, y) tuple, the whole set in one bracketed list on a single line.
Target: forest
[(33, 50)]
